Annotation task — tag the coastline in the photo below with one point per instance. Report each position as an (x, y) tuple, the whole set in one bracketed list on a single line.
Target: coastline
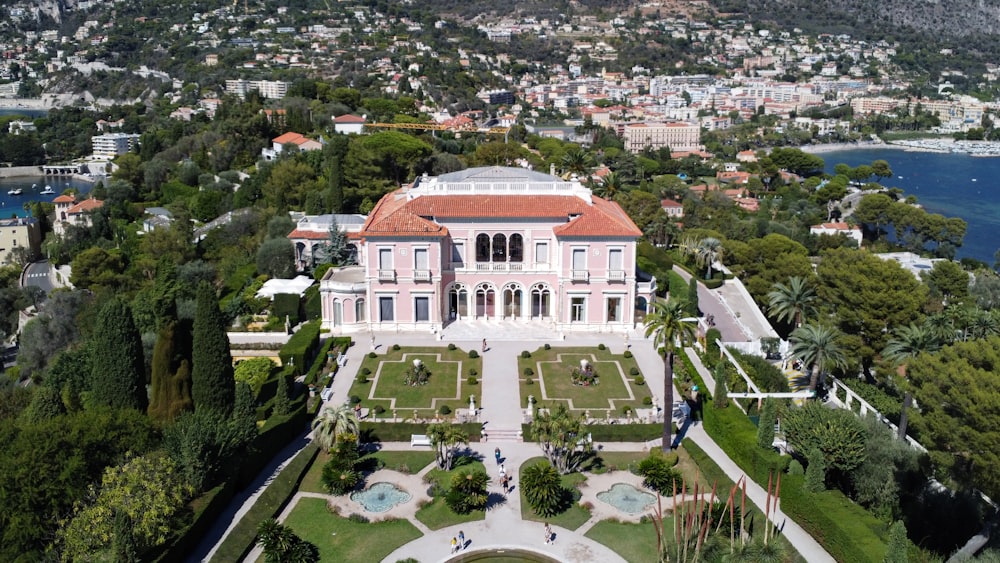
[(980, 149)]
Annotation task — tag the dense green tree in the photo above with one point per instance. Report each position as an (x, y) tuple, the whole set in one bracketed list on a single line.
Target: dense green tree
[(98, 269), (212, 381), (253, 372), (948, 281), (146, 490), (281, 545), (957, 390), (542, 488), (869, 297), (837, 433), (797, 162), (763, 262), (276, 258), (118, 373), (668, 326), (642, 207), (897, 550), (909, 341), (47, 466), (204, 446)]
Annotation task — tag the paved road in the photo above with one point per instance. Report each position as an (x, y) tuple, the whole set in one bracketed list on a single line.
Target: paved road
[(39, 275)]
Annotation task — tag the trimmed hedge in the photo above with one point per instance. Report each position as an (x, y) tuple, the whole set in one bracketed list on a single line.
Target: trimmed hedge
[(338, 345), (677, 287), (847, 531), (714, 283), (401, 431), (299, 349), (286, 305), (615, 432), (313, 303)]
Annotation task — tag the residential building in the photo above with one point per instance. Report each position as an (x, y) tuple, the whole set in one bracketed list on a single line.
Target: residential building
[(674, 209), (675, 136), (312, 231), (348, 124), (852, 232), (498, 244), (19, 232), (270, 89), (114, 144), (70, 211), (294, 142)]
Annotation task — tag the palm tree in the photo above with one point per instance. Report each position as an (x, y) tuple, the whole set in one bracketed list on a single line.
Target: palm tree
[(908, 341), (792, 302), (708, 252), (445, 439), (609, 187), (667, 325), (333, 421), (577, 161), (817, 346)]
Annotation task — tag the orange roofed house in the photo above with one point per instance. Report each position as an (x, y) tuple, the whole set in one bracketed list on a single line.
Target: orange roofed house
[(293, 142), (70, 211), (495, 244)]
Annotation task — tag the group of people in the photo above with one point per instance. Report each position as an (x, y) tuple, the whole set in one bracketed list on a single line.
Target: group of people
[(458, 543), (505, 480)]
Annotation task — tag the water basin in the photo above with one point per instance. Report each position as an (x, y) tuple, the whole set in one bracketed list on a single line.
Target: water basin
[(627, 498), (380, 497)]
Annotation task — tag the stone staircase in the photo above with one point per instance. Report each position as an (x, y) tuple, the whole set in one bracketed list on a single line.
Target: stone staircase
[(504, 435)]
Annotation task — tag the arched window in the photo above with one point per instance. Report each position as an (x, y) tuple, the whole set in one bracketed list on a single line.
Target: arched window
[(541, 297), (499, 248), (482, 247), (359, 310), (516, 248)]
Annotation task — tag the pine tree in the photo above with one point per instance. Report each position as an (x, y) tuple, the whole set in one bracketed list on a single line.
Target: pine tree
[(213, 386), (118, 372)]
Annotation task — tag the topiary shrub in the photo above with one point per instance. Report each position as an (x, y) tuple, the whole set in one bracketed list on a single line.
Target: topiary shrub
[(395, 347), (472, 371), (529, 381), (452, 347), (633, 371), (473, 354), (525, 354), (362, 378), (379, 409), (548, 346), (372, 355), (445, 410), (355, 399), (626, 409), (640, 380), (647, 401), (627, 354), (365, 371), (528, 372), (471, 380), (602, 347)]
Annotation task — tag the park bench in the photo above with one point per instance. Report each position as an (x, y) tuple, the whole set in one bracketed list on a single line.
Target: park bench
[(342, 360), (419, 440)]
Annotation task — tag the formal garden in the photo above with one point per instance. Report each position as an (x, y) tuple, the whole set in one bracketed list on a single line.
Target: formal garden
[(416, 383), (593, 382)]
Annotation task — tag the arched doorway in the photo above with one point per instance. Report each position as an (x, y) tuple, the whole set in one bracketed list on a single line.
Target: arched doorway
[(485, 301), (458, 302), (513, 296), (541, 301), (338, 312)]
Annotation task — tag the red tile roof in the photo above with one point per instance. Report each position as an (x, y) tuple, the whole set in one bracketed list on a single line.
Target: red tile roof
[(289, 137), (670, 203), (394, 215), (347, 118), (64, 199), (313, 235), (85, 206)]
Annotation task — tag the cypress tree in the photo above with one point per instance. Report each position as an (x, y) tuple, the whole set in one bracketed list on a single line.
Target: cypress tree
[(282, 401), (692, 303), (118, 374), (171, 378), (765, 426), (213, 386)]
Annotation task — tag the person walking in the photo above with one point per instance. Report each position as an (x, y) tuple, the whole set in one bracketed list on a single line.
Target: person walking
[(504, 482), (454, 544), (548, 534), (502, 471), (484, 345), (461, 539), (496, 454)]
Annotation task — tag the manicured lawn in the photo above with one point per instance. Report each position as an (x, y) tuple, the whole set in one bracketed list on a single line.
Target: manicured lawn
[(552, 372), (448, 383), (437, 514), (404, 462), (636, 543), (572, 518), (340, 539)]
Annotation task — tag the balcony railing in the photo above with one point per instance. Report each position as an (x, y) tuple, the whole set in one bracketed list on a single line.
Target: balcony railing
[(387, 275), (500, 267), (421, 275), (616, 275), (580, 275)]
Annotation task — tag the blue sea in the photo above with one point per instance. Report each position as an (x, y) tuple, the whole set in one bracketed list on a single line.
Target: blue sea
[(13, 205), (954, 185)]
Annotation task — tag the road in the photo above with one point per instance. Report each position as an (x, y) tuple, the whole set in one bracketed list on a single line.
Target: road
[(39, 275)]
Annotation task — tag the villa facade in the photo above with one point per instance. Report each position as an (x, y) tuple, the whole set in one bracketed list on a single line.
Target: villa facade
[(500, 244)]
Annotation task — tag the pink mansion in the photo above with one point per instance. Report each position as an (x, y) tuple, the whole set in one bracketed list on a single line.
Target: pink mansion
[(500, 244)]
